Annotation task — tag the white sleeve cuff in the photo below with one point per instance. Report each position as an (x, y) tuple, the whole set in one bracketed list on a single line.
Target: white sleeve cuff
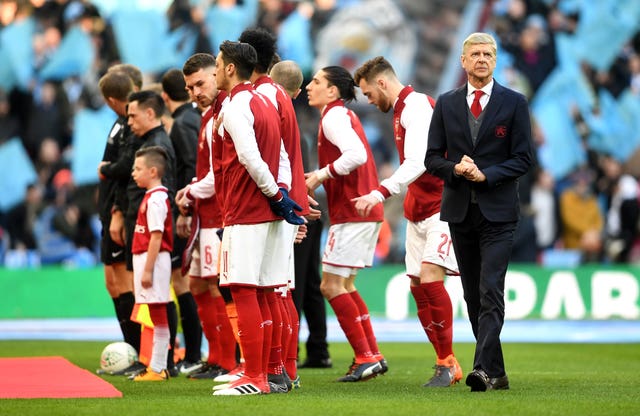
[(323, 174), (378, 195)]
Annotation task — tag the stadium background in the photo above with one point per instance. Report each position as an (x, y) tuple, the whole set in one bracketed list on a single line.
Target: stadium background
[(577, 61)]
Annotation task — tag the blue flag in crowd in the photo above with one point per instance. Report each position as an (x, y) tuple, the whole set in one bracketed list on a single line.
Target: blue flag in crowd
[(224, 23), (72, 58), (14, 159), (142, 38), (604, 27), (16, 42), (90, 130)]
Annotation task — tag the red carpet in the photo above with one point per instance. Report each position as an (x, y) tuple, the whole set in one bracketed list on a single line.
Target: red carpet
[(49, 377)]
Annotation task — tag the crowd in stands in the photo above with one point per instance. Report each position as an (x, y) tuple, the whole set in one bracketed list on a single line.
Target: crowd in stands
[(578, 63)]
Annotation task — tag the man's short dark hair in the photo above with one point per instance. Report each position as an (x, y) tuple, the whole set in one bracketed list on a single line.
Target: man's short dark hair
[(197, 62), (117, 85), (174, 86), (155, 157), (149, 99), (242, 55), (132, 71)]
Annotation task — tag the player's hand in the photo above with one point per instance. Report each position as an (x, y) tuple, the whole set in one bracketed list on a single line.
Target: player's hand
[(301, 234), (147, 279), (184, 203), (218, 121), (100, 165), (314, 214), (183, 226), (315, 178), (180, 194), (285, 206), (116, 228), (365, 203)]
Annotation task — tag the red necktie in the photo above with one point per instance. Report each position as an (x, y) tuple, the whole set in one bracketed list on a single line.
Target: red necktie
[(476, 108)]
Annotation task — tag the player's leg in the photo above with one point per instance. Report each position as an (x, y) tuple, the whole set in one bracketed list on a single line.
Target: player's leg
[(438, 258)]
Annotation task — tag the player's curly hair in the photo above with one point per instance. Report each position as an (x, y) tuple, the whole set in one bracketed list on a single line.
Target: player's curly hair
[(265, 45)]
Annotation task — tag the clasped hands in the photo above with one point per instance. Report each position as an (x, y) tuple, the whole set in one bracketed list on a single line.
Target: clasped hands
[(467, 168)]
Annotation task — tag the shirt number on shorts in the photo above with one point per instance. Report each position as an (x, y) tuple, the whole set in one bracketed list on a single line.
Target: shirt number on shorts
[(331, 241), (208, 255), (445, 245)]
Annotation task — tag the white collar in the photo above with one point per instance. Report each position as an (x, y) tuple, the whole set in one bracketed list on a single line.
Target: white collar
[(486, 89)]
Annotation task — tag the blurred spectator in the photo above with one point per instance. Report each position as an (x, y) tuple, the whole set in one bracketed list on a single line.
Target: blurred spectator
[(9, 123), (48, 163), (66, 219), (187, 24), (20, 220), (545, 211), (623, 212), (49, 117), (534, 53), (634, 69), (226, 19), (582, 221)]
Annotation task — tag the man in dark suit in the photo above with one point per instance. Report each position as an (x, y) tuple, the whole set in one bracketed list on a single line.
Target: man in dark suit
[(480, 144)]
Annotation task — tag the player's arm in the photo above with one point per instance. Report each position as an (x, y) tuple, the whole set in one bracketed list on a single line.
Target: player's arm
[(116, 226), (284, 168), (202, 189), (184, 140), (244, 139), (415, 119), (155, 241), (240, 128), (157, 212), (121, 168), (337, 129)]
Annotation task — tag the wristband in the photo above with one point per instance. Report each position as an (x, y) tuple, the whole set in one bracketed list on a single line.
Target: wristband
[(277, 197)]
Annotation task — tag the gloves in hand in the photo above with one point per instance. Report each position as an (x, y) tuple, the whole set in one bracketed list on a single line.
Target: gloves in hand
[(285, 207)]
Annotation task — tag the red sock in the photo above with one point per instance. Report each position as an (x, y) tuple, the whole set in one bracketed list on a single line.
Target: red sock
[(348, 316), (226, 340), (275, 351), (441, 316), (249, 327), (267, 329), (291, 359), (366, 322), (286, 328), (209, 319), (424, 314)]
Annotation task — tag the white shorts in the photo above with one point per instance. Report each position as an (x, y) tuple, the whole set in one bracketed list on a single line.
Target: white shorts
[(429, 241), (350, 246), (288, 239), (255, 255), (160, 290), (205, 259)]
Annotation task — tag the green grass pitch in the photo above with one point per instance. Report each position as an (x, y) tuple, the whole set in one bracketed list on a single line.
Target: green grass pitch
[(546, 379)]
